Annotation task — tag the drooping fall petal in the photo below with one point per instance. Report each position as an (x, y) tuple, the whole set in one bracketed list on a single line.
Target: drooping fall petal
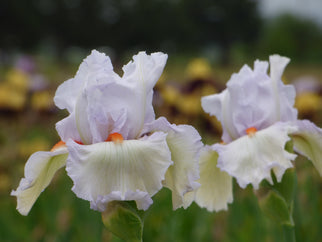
[(216, 189), (308, 142), (251, 158), (39, 171), (184, 143), (130, 170)]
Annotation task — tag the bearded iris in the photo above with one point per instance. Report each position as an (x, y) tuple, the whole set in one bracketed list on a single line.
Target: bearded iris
[(112, 145), (258, 119)]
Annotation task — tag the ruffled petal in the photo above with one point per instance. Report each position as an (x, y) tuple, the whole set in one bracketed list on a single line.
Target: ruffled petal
[(130, 170), (308, 142), (142, 74), (250, 158), (184, 143), (145, 70), (253, 99), (39, 171), (216, 189), (96, 68)]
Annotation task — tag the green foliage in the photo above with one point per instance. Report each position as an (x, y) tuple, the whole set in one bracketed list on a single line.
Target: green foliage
[(296, 38), (123, 220)]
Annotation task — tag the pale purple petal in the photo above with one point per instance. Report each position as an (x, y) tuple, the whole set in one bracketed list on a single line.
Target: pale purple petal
[(218, 105), (96, 68), (253, 99), (142, 74), (66, 128)]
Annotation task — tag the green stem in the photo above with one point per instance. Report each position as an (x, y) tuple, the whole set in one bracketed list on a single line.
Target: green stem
[(289, 233)]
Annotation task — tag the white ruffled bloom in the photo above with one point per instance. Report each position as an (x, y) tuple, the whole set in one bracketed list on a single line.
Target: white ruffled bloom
[(116, 148), (257, 115)]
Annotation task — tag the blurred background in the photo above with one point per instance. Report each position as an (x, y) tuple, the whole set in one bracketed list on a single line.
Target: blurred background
[(42, 44)]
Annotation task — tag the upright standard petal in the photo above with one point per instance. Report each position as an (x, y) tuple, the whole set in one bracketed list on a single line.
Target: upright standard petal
[(216, 189), (219, 105), (284, 95), (308, 142), (117, 107), (128, 170), (141, 75), (39, 171), (184, 143), (251, 158), (96, 68), (253, 99), (145, 70)]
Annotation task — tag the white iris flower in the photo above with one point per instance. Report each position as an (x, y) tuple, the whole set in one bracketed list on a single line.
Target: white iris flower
[(257, 115), (115, 149)]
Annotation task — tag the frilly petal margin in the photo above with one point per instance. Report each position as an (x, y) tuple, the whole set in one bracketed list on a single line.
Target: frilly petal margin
[(308, 142), (130, 170), (96, 67), (251, 157), (39, 171), (145, 70), (216, 189), (185, 143)]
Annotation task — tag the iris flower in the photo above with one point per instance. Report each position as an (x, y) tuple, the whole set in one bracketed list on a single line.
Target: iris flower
[(112, 145), (258, 119)]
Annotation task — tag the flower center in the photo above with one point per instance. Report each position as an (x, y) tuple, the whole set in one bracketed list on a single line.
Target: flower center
[(58, 145), (251, 131), (115, 137)]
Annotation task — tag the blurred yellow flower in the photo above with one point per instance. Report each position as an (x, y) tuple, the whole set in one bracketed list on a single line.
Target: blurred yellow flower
[(198, 68), (189, 104), (170, 94), (12, 98), (18, 79), (308, 102), (13, 91), (42, 101)]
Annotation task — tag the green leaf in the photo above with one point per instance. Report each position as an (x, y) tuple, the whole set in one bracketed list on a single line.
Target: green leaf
[(275, 207), (124, 221)]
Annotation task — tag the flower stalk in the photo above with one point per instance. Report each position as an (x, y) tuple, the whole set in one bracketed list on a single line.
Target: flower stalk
[(278, 203)]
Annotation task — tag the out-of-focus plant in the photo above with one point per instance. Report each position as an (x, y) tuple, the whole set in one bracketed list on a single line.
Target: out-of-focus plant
[(291, 36)]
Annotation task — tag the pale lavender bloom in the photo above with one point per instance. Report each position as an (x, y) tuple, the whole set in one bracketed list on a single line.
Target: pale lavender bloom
[(257, 115), (116, 148)]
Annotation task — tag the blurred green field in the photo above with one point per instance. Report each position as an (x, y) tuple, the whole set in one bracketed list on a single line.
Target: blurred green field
[(58, 215)]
